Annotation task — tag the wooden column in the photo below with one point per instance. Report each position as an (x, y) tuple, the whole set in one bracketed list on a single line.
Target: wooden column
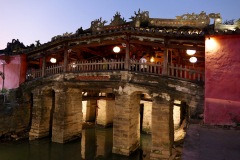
[(127, 57), (165, 62), (65, 61), (43, 65)]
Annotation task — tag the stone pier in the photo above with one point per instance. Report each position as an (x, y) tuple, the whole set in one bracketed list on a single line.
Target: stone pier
[(89, 110), (162, 129), (67, 117), (126, 124), (41, 113), (147, 116), (105, 112)]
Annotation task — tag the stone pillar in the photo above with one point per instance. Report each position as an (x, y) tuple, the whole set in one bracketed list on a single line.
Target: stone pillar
[(126, 125), (162, 129), (41, 113), (67, 117), (89, 110), (147, 117), (105, 112)]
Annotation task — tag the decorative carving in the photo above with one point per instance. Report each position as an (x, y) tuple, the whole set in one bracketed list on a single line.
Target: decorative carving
[(15, 46), (140, 17), (79, 31), (56, 37), (117, 20), (214, 15), (202, 16), (97, 24), (67, 34), (38, 43)]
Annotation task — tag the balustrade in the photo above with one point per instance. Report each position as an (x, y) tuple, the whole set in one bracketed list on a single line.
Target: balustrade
[(174, 70)]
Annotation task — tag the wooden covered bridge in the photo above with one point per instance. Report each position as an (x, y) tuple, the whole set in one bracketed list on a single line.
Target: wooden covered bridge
[(82, 67)]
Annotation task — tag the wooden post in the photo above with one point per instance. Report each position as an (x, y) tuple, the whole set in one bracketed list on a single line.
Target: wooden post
[(43, 65), (65, 61), (165, 62), (127, 60)]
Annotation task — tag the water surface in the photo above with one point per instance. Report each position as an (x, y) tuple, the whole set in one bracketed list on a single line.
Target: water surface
[(96, 143)]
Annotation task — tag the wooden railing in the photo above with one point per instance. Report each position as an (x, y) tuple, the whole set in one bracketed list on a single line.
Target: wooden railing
[(151, 68), (54, 69), (100, 65), (173, 70), (185, 72)]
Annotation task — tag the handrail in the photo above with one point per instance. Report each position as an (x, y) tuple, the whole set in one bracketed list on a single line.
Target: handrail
[(54, 69), (174, 70), (101, 65), (185, 72)]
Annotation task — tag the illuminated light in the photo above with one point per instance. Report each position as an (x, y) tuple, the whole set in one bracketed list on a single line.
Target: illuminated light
[(116, 49), (211, 45), (193, 59), (152, 59), (74, 65), (191, 52), (53, 60)]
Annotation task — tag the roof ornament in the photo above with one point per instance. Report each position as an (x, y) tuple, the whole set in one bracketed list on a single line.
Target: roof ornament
[(117, 20), (97, 24), (38, 43), (201, 18), (14, 47), (140, 18)]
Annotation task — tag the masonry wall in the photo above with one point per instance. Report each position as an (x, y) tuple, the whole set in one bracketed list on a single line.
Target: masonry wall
[(222, 87), (14, 117)]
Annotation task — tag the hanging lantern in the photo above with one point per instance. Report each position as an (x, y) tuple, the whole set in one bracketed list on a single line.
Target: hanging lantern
[(193, 59), (191, 52), (116, 49), (53, 60)]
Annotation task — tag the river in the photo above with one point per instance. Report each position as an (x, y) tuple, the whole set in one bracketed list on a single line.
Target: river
[(95, 144)]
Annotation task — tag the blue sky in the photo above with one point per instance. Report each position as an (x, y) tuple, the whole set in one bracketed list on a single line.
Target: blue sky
[(31, 20)]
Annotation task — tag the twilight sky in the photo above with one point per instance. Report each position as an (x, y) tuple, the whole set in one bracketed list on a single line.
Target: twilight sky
[(31, 20)]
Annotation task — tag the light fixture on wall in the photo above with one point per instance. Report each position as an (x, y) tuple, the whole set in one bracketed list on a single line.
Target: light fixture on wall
[(191, 52), (53, 60), (193, 59), (116, 49)]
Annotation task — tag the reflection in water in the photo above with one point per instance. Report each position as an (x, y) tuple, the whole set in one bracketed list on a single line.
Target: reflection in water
[(95, 143)]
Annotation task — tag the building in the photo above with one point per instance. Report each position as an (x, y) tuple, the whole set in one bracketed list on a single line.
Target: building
[(183, 56)]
